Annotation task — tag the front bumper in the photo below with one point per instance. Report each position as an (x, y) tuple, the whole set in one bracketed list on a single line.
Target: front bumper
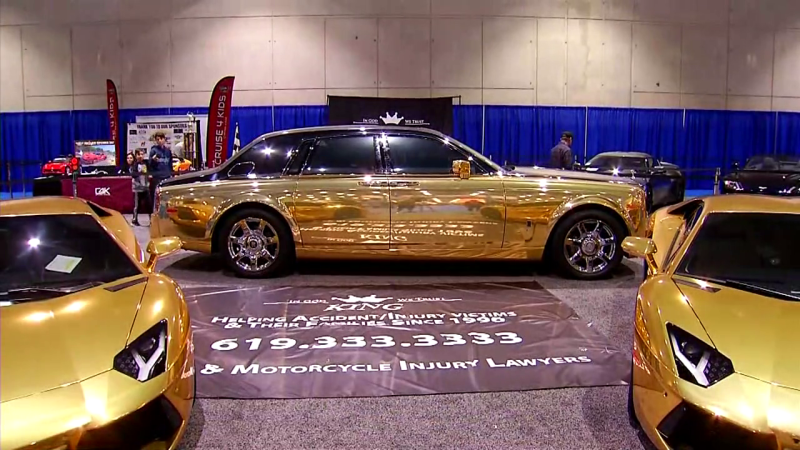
[(107, 411), (739, 412)]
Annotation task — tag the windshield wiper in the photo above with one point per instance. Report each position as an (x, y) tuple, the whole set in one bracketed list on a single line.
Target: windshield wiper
[(754, 288)]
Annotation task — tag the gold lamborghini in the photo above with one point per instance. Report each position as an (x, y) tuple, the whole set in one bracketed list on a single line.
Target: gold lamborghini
[(96, 347), (380, 192), (716, 325)]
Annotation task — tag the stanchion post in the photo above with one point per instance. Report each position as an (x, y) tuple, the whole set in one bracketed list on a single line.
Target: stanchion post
[(10, 183), (717, 176), (75, 183)]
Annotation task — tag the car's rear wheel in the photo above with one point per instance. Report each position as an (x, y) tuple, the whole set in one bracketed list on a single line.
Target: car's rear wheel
[(587, 245), (256, 243)]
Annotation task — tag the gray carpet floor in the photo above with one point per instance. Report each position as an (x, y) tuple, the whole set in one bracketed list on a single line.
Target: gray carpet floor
[(586, 418)]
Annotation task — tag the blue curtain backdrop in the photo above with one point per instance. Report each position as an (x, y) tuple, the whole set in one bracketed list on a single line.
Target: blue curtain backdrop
[(610, 129), (468, 125), (698, 141), (748, 133), (657, 132), (510, 135), (788, 141)]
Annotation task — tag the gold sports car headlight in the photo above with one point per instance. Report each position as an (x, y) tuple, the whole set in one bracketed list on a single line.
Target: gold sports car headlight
[(697, 362), (146, 357)]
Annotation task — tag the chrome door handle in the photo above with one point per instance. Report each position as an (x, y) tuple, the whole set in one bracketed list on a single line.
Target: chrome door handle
[(403, 183)]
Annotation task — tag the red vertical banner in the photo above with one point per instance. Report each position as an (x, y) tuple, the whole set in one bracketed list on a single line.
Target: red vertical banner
[(113, 119), (219, 118)]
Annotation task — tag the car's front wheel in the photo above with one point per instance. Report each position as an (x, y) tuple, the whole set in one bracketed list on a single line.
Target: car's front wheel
[(587, 245), (256, 243)]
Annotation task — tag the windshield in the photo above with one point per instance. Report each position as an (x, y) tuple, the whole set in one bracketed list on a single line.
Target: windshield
[(760, 249), (773, 163), (58, 252), (618, 162), (60, 160)]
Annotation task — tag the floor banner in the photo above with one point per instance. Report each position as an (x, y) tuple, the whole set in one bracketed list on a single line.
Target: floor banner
[(304, 342)]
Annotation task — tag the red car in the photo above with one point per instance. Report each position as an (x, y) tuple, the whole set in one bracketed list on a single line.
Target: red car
[(92, 158), (58, 166)]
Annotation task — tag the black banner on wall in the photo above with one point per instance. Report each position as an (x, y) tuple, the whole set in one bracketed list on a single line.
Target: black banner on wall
[(327, 341), (433, 113)]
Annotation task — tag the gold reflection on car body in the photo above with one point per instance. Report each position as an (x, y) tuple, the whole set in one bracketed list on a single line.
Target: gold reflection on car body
[(58, 384), (759, 334), (460, 215)]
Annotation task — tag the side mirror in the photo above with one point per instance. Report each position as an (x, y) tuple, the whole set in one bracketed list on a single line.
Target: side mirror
[(159, 248), (735, 166), (641, 248), (462, 169)]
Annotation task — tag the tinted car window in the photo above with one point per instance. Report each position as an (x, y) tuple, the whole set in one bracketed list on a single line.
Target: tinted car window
[(617, 162), (633, 163), (603, 162), (756, 248), (343, 156), (58, 251), (266, 158), (689, 222), (773, 162), (419, 155)]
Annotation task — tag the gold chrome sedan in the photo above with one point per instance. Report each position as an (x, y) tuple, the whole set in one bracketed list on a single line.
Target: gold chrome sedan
[(96, 347), (716, 325), (377, 192)]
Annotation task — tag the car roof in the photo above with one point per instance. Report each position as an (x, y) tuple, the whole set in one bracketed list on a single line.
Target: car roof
[(44, 206), (353, 128), (624, 155), (751, 203)]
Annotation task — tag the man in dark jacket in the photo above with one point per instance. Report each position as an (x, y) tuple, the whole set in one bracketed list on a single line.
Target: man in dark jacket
[(561, 154), (160, 164)]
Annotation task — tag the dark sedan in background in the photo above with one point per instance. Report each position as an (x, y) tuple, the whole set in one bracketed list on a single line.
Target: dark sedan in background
[(765, 175), (664, 182)]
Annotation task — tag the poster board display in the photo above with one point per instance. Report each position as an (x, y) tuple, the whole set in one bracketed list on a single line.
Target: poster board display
[(96, 153), (140, 134)]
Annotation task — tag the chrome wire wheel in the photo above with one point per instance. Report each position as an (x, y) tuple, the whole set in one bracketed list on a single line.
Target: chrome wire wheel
[(253, 244), (590, 246)]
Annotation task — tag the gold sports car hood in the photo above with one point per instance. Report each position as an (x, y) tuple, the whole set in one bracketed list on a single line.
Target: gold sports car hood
[(758, 334), (51, 343)]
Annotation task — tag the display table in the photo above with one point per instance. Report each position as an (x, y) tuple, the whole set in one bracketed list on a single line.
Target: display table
[(109, 192)]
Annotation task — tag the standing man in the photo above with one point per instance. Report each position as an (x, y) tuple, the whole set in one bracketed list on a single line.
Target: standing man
[(160, 165), (561, 154)]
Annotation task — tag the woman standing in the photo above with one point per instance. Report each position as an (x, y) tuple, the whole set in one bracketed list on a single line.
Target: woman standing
[(138, 170)]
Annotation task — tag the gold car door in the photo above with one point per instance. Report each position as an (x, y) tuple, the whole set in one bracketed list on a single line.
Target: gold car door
[(342, 197), (435, 209)]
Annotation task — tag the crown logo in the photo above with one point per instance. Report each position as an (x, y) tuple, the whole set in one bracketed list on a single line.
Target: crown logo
[(392, 120)]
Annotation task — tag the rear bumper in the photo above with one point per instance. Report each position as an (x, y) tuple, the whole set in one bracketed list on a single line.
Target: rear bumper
[(110, 410)]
